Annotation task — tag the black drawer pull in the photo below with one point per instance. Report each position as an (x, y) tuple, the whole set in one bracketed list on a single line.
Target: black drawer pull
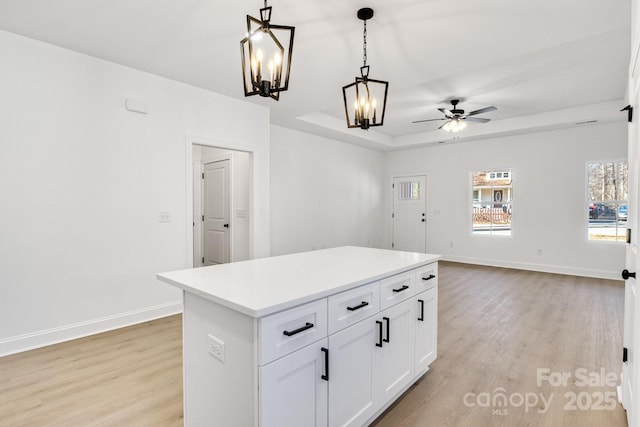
[(297, 331), (404, 288), (379, 343), (421, 318), (386, 319), (326, 364), (358, 307), (431, 276)]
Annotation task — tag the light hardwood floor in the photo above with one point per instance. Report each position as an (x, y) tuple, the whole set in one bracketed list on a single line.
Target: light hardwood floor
[(497, 327)]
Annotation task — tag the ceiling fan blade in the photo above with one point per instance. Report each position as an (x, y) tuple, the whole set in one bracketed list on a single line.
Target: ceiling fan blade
[(427, 120), (446, 112), (482, 110), (440, 127), (476, 119)]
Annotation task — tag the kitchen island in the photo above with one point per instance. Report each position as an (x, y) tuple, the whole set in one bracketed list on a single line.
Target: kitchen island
[(321, 338)]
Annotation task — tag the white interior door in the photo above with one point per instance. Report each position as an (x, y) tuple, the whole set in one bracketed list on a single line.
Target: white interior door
[(410, 213), (216, 212), (631, 356)]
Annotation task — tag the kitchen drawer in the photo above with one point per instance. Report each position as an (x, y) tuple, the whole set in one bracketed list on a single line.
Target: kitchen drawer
[(351, 306), (397, 288), (426, 277), (289, 330)]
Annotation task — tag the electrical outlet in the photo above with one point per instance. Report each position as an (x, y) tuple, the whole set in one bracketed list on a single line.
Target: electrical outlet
[(164, 217), (216, 348)]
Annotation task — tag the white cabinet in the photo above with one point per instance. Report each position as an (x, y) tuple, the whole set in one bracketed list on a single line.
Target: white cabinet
[(352, 372), (394, 359), (294, 389), (426, 329)]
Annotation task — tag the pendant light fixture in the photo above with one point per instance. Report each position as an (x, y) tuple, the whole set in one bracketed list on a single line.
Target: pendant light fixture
[(365, 99), (266, 56)]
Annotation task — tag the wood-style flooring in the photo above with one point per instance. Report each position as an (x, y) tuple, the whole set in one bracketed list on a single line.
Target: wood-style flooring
[(497, 329)]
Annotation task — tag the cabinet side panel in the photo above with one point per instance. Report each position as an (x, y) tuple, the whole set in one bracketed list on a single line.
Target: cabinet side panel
[(218, 392)]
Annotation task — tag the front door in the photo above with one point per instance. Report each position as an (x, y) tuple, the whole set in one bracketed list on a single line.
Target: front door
[(216, 212), (409, 213)]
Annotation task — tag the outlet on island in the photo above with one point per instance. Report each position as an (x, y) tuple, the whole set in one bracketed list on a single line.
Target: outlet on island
[(216, 348)]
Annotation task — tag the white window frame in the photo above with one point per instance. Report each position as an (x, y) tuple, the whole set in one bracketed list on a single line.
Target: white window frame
[(616, 203), (472, 201)]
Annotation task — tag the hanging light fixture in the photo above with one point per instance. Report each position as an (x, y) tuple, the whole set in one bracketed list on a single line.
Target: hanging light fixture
[(365, 99), (454, 125), (266, 56)]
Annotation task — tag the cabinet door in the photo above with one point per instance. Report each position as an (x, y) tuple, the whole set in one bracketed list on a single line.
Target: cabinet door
[(292, 391), (426, 318), (394, 361), (351, 388)]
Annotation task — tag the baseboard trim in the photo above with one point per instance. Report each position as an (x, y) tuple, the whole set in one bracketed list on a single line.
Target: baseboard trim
[(47, 337), (544, 268)]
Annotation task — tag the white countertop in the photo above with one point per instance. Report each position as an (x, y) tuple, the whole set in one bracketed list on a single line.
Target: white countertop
[(264, 286)]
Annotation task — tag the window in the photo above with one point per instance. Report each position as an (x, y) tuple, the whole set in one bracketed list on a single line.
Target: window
[(607, 188), (409, 190), (492, 197)]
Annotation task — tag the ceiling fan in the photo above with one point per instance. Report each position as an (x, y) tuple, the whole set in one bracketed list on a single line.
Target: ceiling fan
[(455, 118)]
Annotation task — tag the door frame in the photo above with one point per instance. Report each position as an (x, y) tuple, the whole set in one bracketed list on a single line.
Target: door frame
[(426, 205), (190, 141)]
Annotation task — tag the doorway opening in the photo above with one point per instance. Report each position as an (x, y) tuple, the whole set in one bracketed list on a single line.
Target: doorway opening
[(220, 205)]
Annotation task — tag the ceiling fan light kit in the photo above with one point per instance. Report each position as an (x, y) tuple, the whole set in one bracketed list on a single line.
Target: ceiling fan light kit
[(454, 125), (365, 99), (266, 56)]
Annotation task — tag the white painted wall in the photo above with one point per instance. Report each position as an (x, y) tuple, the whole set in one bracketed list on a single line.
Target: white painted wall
[(323, 193), (82, 182), (549, 210), (240, 174)]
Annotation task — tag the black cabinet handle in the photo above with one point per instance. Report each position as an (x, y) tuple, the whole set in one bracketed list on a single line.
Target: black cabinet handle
[(226, 226), (379, 343), (626, 274), (297, 331), (421, 318), (358, 307), (431, 276), (386, 319), (404, 288), (326, 364)]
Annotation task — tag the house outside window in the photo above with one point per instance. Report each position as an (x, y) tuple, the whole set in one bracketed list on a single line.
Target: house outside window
[(607, 192), (492, 199)]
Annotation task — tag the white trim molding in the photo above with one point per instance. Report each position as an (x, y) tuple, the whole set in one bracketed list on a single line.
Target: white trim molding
[(47, 337), (543, 268)]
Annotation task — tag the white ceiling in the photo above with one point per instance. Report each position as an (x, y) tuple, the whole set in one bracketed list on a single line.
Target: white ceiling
[(544, 64)]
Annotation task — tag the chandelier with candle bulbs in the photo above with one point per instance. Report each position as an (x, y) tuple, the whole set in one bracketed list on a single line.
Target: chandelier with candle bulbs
[(365, 99), (266, 56)]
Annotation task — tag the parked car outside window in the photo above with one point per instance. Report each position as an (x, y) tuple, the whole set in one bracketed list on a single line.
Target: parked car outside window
[(622, 212)]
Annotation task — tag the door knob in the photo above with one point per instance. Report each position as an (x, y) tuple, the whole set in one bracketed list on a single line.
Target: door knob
[(626, 274), (226, 226)]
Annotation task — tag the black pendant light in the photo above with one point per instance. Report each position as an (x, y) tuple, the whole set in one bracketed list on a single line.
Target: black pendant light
[(365, 100), (266, 56)]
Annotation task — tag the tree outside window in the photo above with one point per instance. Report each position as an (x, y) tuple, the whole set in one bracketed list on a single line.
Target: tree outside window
[(607, 187), (492, 199)]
